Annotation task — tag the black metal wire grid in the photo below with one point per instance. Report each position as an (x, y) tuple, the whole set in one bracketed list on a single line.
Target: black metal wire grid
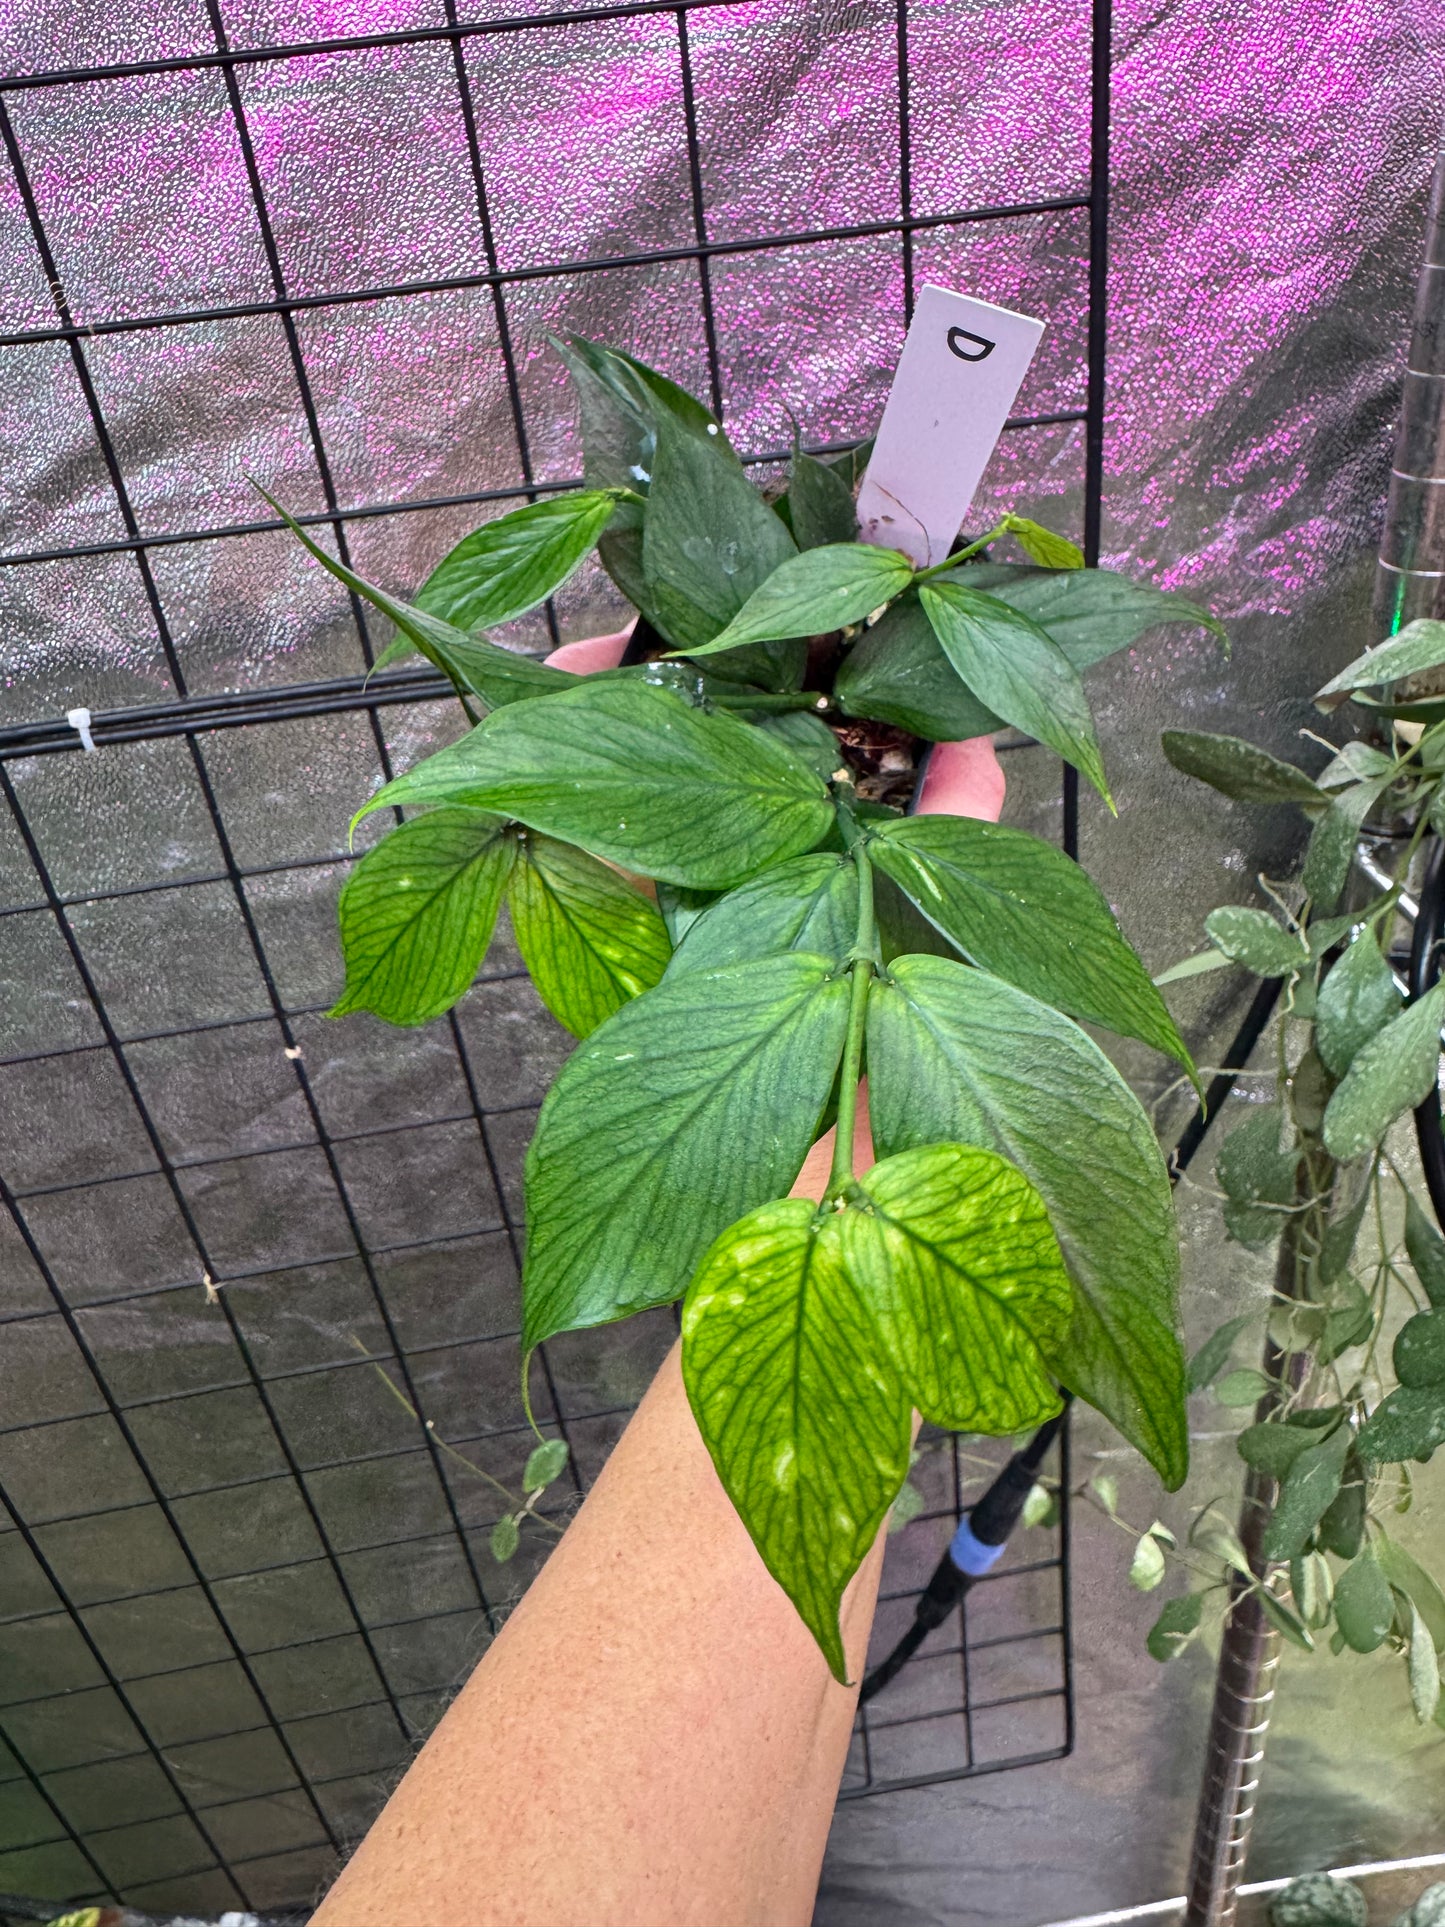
[(218, 1645)]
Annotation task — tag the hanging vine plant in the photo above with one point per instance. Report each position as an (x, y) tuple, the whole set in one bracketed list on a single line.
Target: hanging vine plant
[(795, 929)]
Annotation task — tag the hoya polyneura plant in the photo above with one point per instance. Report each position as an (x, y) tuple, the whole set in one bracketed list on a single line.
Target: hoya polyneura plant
[(1016, 1234), (1341, 1414)]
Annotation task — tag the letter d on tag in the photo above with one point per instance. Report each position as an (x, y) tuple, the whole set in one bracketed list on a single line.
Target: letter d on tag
[(961, 367)]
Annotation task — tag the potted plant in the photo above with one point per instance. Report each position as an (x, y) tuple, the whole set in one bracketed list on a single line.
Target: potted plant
[(794, 928)]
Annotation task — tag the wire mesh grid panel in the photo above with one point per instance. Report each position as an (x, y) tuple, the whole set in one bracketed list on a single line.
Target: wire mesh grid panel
[(259, 1271)]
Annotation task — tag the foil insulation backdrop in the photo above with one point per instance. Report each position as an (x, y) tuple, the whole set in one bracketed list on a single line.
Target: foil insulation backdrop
[(1270, 164)]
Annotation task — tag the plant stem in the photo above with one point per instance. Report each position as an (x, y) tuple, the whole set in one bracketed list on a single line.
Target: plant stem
[(864, 947), (952, 561), (765, 702)]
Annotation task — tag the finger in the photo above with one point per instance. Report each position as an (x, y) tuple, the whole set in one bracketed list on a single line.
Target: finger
[(963, 779), (592, 653)]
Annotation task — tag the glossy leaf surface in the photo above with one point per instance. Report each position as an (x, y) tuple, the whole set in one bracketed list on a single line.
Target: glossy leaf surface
[(897, 672), (1238, 769), (1357, 999), (809, 903), (590, 940), (1387, 1076), (816, 592), (508, 566)]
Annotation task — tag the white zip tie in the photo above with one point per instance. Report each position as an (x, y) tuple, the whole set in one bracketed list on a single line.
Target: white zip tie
[(79, 720)]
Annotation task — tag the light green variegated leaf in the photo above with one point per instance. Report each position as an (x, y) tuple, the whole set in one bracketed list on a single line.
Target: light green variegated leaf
[(509, 566), (1409, 1423), (650, 1142), (1308, 1489), (1388, 1076), (1408, 1576), (632, 773), (589, 938), (814, 593), (1357, 999), (418, 912), (1254, 939), (1017, 668), (897, 673), (1419, 645), (1238, 769), (953, 1249), (821, 509), (1332, 841), (1255, 1174), (809, 903), (956, 1055), (1042, 545), (806, 1422), (1026, 912), (496, 676), (1176, 1626)]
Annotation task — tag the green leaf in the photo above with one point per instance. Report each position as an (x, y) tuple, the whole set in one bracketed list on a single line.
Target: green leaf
[(1041, 545), (814, 593), (1364, 1604), (680, 909), (1243, 1386), (1016, 667), (1176, 1626), (1272, 1446), (708, 540), (1338, 1244), (852, 463), (1357, 998), (1419, 645), (1332, 842), (1213, 1354), (1408, 1424), (1313, 1586), (633, 774), (1254, 939), (1285, 1621), (648, 1144), (953, 1251), (545, 1462), (1308, 1488), (956, 1055), (1107, 1489), (418, 912), (1090, 613), (1347, 1324), (1424, 1669), (897, 673), (1148, 1567), (1041, 1508), (507, 567), (1420, 1349), (1238, 769), (1196, 966), (820, 504), (1255, 1174), (906, 1507), (1026, 912), (1410, 1578), (1388, 1076), (807, 735), (1426, 1249), (506, 1537), (590, 939), (1342, 1529), (809, 903), (805, 1419), (497, 676)]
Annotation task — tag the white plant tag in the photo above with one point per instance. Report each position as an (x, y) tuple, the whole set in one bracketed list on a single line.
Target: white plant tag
[(961, 367)]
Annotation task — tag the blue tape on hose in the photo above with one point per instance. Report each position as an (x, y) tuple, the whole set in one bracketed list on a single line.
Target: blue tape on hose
[(971, 1555)]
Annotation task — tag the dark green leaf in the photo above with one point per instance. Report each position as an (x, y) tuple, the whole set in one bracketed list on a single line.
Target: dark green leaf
[(1419, 645), (1364, 1604), (1356, 1000), (1388, 1075), (852, 463), (1015, 667), (589, 939), (1408, 1424), (1309, 1091), (1308, 1488), (954, 1254), (1022, 909), (807, 735), (810, 903), (1342, 1529), (1254, 939), (1042, 545), (1349, 1323), (897, 673), (506, 1537), (1426, 1249), (680, 908), (1420, 1349), (418, 912), (1338, 1243), (820, 504), (633, 774), (1243, 1386), (1210, 1359), (507, 567), (814, 593), (649, 1145), (1254, 1174), (1175, 1626), (1332, 842), (805, 1418), (956, 1055), (1090, 613), (545, 1462), (1318, 1900), (709, 539), (1286, 1621), (1238, 769)]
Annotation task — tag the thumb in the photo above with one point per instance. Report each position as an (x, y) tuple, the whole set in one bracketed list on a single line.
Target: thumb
[(963, 779)]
